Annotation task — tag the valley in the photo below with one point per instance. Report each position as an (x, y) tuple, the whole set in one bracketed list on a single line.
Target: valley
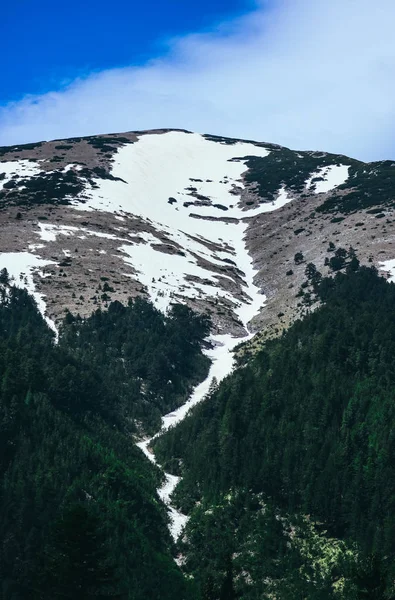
[(211, 337)]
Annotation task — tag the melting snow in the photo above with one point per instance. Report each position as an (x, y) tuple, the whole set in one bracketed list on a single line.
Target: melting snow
[(49, 232), (164, 275), (165, 174), (22, 168), (21, 266), (222, 364), (163, 167), (388, 266), (333, 176), (172, 180)]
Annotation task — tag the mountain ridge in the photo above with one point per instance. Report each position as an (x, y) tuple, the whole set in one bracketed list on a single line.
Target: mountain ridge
[(48, 189), (245, 234)]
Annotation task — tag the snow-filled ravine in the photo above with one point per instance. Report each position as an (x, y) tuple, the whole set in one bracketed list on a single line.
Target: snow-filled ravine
[(186, 189), (21, 267), (207, 164), (222, 362), (163, 167)]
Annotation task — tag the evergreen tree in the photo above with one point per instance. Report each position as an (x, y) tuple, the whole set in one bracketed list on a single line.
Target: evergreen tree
[(209, 592), (227, 589), (77, 565)]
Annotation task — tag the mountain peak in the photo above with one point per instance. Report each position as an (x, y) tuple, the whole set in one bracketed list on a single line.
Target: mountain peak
[(177, 216)]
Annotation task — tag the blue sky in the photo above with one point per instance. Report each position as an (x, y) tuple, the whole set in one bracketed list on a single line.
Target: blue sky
[(307, 74), (51, 43)]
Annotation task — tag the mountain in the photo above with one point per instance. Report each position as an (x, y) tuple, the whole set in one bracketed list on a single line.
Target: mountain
[(79, 513), (153, 259), (172, 215), (288, 466)]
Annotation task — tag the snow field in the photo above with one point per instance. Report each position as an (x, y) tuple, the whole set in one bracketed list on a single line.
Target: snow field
[(187, 157), (160, 167), (183, 168), (334, 175)]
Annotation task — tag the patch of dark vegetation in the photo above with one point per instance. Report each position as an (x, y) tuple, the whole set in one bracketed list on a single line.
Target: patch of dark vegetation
[(202, 198), (308, 423), (284, 167), (198, 202), (54, 187), (107, 143), (19, 148), (10, 185), (343, 259), (82, 494), (369, 185), (46, 188), (373, 211), (232, 141)]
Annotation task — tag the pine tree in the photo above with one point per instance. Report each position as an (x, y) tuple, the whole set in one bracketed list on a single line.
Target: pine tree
[(76, 562), (227, 589), (208, 592)]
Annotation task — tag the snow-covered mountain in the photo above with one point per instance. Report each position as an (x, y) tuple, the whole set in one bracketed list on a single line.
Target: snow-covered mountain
[(178, 216)]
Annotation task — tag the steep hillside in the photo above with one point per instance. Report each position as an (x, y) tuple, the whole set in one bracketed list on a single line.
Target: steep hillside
[(152, 256), (295, 450), (214, 222), (79, 512)]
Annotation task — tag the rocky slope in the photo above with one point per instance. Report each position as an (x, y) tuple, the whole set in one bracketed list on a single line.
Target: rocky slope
[(172, 215)]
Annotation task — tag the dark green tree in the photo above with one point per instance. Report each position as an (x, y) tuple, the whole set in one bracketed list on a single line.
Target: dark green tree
[(227, 588), (77, 565), (208, 592)]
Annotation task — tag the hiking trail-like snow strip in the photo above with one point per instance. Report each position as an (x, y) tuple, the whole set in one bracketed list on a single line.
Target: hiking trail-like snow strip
[(215, 184)]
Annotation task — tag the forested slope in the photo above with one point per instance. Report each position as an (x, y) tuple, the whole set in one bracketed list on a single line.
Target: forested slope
[(79, 513), (288, 466), (308, 424)]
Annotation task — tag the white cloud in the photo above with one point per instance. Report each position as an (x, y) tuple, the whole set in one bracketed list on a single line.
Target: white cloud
[(309, 74)]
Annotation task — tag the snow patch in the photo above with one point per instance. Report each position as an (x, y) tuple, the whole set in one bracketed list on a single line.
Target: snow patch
[(388, 267), (22, 168), (74, 166), (167, 166), (21, 267), (49, 232), (165, 275), (222, 365), (333, 176)]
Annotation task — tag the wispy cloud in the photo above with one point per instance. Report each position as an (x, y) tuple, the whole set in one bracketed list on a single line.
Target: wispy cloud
[(309, 74)]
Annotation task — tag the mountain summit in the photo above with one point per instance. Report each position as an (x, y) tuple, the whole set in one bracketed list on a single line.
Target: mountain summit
[(178, 216), (275, 479)]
